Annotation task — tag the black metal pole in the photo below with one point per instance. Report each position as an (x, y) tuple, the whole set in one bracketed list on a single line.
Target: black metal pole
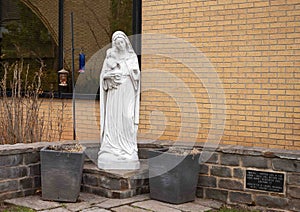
[(137, 26), (0, 29), (73, 78), (60, 40)]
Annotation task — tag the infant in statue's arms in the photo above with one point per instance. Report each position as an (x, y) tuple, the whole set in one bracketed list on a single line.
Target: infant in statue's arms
[(113, 67)]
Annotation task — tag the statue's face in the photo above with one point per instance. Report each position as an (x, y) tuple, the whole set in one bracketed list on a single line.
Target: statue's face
[(120, 44)]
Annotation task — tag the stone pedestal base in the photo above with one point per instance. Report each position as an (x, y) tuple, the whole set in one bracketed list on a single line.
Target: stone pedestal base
[(110, 161), (114, 183), (125, 165)]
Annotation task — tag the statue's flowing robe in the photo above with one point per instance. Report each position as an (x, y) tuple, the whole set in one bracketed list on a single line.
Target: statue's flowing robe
[(119, 109)]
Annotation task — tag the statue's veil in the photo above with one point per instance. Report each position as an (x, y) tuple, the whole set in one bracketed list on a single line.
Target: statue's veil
[(120, 34)]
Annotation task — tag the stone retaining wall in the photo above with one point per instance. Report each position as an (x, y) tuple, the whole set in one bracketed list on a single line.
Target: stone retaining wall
[(19, 170), (222, 177)]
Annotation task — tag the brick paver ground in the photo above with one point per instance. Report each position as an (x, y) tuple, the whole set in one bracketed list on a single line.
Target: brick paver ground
[(93, 203)]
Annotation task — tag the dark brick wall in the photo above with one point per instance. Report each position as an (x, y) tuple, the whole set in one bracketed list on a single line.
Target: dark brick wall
[(91, 22), (19, 171), (223, 177)]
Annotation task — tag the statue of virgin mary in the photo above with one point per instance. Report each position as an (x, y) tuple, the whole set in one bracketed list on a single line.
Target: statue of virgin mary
[(119, 106)]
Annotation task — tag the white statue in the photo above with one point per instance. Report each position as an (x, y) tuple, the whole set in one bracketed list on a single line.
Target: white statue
[(119, 106)]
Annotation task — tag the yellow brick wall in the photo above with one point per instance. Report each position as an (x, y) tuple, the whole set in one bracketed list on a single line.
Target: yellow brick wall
[(87, 118), (254, 47), (55, 113)]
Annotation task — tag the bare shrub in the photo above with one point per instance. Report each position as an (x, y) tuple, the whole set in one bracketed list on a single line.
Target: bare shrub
[(24, 117)]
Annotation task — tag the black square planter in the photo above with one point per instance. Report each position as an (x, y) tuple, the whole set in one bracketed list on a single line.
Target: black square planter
[(173, 178), (61, 174)]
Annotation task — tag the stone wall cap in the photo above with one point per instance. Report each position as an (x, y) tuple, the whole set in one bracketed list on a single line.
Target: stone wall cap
[(227, 149), (11, 149)]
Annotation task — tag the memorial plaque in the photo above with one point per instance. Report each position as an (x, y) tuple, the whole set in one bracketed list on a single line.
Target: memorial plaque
[(265, 181)]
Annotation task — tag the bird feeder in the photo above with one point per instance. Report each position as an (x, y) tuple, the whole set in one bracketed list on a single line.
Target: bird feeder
[(63, 77)]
